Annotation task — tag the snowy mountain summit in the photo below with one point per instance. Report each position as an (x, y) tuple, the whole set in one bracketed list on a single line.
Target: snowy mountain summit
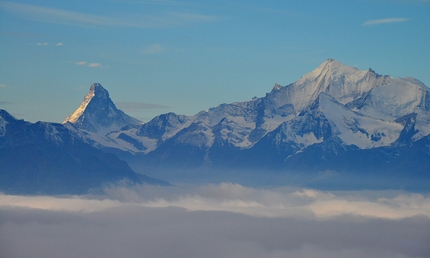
[(98, 114), (343, 83), (331, 115)]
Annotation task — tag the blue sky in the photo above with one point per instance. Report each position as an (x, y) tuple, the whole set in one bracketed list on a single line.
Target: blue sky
[(185, 56)]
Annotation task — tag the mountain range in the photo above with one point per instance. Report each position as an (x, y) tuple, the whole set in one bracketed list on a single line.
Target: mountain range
[(337, 125)]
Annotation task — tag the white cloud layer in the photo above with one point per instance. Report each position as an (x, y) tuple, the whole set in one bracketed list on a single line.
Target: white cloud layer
[(228, 197), (383, 21), (226, 220)]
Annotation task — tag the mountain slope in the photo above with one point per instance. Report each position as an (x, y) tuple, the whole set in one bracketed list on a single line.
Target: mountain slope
[(48, 158)]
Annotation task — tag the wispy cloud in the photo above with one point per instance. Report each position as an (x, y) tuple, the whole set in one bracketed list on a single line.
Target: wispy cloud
[(138, 106), (3, 102), (44, 44), (418, 1), (261, 9), (20, 34), (154, 49), (2, 85), (52, 15), (163, 2), (91, 65), (59, 16), (383, 21), (217, 5)]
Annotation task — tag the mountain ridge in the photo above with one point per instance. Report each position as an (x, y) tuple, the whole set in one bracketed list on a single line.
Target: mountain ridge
[(242, 124), (335, 118), (332, 111)]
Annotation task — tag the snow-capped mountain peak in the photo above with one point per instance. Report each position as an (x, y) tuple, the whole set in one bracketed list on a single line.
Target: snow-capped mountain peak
[(98, 114), (344, 83), (73, 118)]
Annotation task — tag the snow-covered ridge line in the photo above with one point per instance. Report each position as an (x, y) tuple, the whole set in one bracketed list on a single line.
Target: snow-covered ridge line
[(334, 102)]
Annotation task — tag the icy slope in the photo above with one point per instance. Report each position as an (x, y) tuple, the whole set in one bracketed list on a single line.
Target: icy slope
[(344, 83)]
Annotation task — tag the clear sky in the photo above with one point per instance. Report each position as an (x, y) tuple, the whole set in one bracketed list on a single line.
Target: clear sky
[(185, 56)]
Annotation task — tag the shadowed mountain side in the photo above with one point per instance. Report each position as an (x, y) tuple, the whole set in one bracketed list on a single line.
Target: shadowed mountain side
[(46, 158)]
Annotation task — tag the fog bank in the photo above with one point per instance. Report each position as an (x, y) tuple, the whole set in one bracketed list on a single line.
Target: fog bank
[(225, 220)]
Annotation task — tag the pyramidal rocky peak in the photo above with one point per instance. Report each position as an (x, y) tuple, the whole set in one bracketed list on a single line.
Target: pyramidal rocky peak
[(98, 114), (73, 118)]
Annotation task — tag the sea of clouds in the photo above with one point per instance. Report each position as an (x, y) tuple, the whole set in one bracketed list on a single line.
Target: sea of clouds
[(222, 220)]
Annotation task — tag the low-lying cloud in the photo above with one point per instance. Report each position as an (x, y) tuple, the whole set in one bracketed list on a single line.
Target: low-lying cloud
[(226, 220)]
